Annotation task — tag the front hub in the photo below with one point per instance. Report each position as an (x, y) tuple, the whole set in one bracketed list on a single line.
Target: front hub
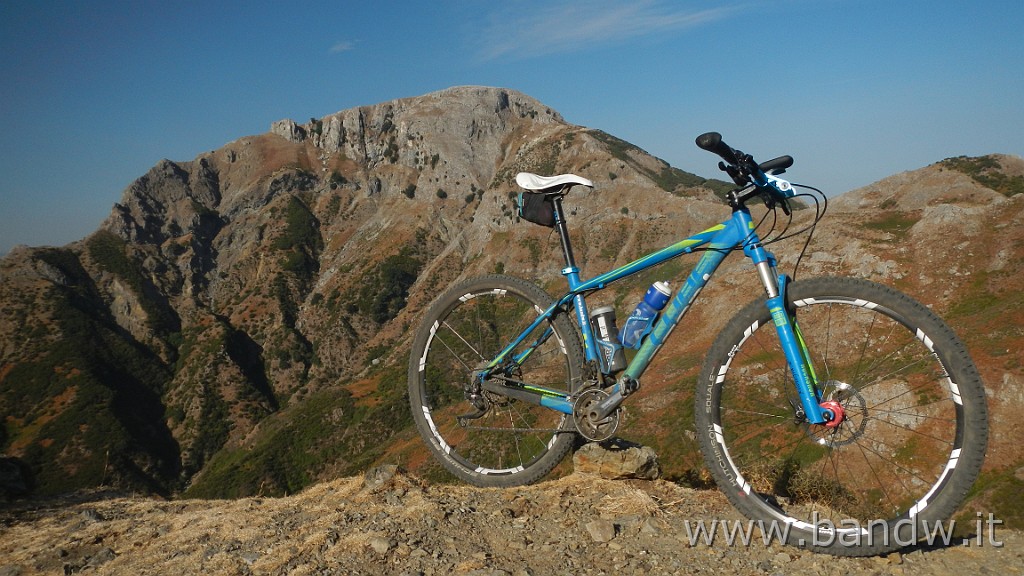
[(835, 409)]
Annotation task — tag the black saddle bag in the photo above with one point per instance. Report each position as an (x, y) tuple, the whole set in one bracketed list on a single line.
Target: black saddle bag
[(537, 208)]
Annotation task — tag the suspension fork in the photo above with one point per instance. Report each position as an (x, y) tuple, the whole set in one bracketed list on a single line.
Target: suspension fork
[(791, 339)]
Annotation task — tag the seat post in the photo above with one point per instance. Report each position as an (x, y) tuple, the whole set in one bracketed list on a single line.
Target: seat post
[(563, 232), (572, 275)]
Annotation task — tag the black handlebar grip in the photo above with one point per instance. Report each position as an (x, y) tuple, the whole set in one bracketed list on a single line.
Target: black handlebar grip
[(712, 142), (781, 164), (709, 140)]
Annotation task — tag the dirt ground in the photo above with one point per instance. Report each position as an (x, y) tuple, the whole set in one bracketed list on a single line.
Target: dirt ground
[(395, 524)]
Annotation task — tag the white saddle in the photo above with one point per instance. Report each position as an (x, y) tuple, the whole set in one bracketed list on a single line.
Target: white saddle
[(537, 183)]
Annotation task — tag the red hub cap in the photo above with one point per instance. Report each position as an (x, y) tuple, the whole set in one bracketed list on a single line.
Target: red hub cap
[(838, 414)]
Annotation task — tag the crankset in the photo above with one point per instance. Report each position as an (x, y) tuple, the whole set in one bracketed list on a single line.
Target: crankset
[(594, 429)]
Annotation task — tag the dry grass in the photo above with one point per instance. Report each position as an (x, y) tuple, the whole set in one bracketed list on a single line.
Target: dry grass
[(632, 502)]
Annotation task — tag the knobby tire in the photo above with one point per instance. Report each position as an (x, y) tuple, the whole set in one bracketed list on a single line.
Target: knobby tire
[(915, 428)]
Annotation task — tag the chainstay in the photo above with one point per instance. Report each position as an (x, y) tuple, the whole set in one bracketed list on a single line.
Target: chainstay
[(591, 383), (500, 429)]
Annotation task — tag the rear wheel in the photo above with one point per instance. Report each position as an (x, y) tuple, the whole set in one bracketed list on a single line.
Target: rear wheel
[(504, 441), (911, 440)]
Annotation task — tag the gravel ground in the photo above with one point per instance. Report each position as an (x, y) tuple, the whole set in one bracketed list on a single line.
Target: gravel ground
[(393, 524)]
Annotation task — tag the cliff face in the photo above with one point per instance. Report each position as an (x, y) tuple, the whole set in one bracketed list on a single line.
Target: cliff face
[(240, 322), (278, 274)]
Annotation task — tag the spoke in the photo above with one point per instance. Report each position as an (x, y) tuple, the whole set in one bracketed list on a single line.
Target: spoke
[(756, 413), (942, 399), (740, 423), (480, 339), (828, 343), (478, 323), (905, 392), (912, 431), (892, 373), (453, 353), (830, 457), (908, 414), (515, 435), (892, 462), (863, 350), (748, 435), (878, 481), (878, 360)]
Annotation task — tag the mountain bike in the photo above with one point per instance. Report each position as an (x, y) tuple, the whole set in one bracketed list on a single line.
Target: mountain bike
[(842, 410)]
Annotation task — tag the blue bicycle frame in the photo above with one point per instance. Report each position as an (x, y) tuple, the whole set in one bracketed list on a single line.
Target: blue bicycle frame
[(736, 232)]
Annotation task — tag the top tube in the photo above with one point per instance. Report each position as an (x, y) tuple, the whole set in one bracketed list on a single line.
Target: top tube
[(722, 236)]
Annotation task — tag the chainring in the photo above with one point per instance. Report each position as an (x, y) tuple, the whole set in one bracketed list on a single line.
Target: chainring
[(591, 429)]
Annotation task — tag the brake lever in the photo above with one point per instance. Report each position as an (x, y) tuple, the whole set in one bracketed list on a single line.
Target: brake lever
[(785, 207), (782, 186)]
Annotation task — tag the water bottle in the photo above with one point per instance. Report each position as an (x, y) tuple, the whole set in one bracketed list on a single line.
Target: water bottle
[(641, 320), (613, 358)]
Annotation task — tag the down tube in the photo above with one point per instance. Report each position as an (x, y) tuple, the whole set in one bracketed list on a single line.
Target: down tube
[(675, 311)]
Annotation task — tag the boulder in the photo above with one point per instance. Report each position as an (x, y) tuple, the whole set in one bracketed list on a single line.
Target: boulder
[(616, 460)]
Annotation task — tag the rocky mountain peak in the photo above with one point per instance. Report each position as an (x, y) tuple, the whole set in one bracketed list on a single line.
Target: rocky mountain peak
[(466, 123)]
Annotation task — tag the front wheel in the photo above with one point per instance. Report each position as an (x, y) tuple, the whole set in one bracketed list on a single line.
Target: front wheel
[(909, 446), (484, 438)]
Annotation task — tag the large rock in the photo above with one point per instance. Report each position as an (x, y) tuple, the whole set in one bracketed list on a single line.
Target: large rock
[(617, 460)]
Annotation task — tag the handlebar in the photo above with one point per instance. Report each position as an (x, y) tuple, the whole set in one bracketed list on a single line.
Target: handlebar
[(745, 171), (712, 142)]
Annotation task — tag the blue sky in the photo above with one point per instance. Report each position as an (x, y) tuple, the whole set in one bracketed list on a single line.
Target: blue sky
[(92, 94)]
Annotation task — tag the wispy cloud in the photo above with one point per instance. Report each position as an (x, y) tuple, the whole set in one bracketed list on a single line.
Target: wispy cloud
[(343, 46), (571, 25)]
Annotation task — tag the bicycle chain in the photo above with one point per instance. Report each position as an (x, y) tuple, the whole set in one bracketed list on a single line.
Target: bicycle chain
[(499, 429), (584, 383)]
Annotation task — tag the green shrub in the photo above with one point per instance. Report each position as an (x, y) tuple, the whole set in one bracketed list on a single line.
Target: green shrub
[(301, 240), (384, 289), (987, 171), (336, 180)]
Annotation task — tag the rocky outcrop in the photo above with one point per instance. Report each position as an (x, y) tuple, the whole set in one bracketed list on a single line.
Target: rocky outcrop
[(617, 461)]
